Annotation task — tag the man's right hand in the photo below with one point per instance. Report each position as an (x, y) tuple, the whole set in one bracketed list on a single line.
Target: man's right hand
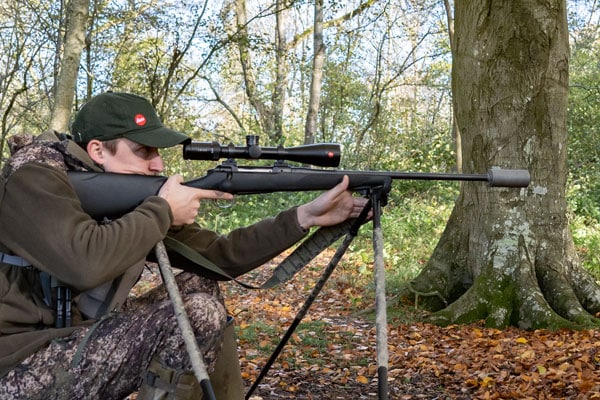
[(185, 201)]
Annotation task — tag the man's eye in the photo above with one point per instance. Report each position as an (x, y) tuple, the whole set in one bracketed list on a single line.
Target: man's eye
[(148, 152), (142, 152)]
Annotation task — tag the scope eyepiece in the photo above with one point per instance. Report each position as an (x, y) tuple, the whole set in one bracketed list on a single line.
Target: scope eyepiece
[(320, 154)]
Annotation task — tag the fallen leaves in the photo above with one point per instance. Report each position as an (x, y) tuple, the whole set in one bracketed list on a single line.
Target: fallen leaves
[(529, 363), (332, 353)]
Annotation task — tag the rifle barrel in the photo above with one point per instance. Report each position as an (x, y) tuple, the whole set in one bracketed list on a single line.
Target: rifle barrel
[(496, 177)]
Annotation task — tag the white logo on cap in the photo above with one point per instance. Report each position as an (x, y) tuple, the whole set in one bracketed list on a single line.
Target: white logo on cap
[(140, 120)]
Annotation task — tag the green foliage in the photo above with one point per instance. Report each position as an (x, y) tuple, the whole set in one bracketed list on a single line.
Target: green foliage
[(313, 334), (584, 127), (587, 242), (412, 223), (246, 210), (583, 191)]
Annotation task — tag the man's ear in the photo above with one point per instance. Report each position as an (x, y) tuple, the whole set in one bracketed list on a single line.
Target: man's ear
[(95, 150)]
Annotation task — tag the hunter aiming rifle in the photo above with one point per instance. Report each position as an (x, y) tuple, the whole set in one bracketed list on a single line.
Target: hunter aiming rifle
[(108, 195)]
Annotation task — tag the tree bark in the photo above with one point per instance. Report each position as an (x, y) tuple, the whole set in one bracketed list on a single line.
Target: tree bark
[(77, 15), (310, 129), (507, 255), (263, 111), (455, 130), (281, 67)]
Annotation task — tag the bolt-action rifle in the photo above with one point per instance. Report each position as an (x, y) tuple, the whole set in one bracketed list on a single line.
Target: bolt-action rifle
[(112, 195)]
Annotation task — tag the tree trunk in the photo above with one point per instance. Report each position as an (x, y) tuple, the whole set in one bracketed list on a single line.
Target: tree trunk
[(77, 14), (310, 128), (455, 130), (507, 255), (263, 111), (281, 68)]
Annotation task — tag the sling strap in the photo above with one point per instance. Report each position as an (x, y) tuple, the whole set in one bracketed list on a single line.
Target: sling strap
[(14, 260), (302, 255)]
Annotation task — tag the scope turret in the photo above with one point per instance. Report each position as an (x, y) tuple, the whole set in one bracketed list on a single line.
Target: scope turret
[(320, 154)]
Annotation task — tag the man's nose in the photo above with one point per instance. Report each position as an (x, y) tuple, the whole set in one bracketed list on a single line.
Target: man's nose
[(157, 164)]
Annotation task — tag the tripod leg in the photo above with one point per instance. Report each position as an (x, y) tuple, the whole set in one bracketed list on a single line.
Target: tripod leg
[(313, 295), (184, 324), (380, 301)]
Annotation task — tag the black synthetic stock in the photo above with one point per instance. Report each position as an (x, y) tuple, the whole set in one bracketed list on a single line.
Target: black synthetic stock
[(113, 195)]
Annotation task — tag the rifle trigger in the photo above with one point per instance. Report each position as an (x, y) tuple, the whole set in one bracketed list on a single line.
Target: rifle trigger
[(224, 203)]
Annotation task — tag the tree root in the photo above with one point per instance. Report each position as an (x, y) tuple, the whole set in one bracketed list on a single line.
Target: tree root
[(522, 297), (417, 294)]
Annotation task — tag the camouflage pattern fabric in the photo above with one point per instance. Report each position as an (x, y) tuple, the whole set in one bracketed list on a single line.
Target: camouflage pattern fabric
[(26, 148), (107, 360)]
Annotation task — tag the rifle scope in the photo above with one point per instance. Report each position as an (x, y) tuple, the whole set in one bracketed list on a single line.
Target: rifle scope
[(321, 154)]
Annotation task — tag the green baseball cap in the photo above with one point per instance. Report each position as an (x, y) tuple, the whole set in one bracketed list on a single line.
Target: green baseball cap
[(113, 115)]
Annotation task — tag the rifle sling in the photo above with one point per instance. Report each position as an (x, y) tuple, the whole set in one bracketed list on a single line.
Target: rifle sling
[(200, 261), (302, 255), (308, 249)]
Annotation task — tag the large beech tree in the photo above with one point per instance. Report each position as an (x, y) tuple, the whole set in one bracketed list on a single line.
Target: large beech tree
[(507, 255)]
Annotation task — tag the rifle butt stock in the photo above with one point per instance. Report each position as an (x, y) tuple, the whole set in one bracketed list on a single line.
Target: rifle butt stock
[(108, 195)]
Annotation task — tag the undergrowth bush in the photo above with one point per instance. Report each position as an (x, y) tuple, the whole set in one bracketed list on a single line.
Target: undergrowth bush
[(583, 199), (412, 222), (586, 236)]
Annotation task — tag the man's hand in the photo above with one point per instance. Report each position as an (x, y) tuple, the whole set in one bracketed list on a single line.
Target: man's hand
[(185, 201), (332, 207)]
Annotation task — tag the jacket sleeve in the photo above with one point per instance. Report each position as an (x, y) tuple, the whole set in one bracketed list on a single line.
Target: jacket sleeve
[(41, 220), (244, 249)]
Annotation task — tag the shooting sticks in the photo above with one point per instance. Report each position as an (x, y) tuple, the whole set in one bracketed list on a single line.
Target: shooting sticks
[(184, 324), (377, 199)]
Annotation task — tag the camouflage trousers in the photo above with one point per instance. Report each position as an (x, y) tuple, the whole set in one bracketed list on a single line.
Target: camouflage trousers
[(108, 359)]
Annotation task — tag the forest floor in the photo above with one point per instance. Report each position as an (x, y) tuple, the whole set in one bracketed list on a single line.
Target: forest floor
[(332, 352)]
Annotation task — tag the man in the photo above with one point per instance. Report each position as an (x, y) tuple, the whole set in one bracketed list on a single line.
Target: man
[(67, 329)]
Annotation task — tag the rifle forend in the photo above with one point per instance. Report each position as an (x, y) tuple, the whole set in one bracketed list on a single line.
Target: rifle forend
[(113, 195)]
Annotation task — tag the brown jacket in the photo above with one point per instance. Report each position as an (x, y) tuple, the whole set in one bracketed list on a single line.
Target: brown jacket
[(41, 220)]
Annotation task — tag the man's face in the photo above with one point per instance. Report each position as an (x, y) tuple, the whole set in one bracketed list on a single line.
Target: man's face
[(132, 158)]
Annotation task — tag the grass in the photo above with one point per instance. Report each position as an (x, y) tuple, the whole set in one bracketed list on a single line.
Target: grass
[(252, 333), (412, 224), (313, 335)]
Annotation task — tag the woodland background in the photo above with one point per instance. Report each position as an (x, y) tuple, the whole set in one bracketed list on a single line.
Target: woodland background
[(222, 70), (385, 96)]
